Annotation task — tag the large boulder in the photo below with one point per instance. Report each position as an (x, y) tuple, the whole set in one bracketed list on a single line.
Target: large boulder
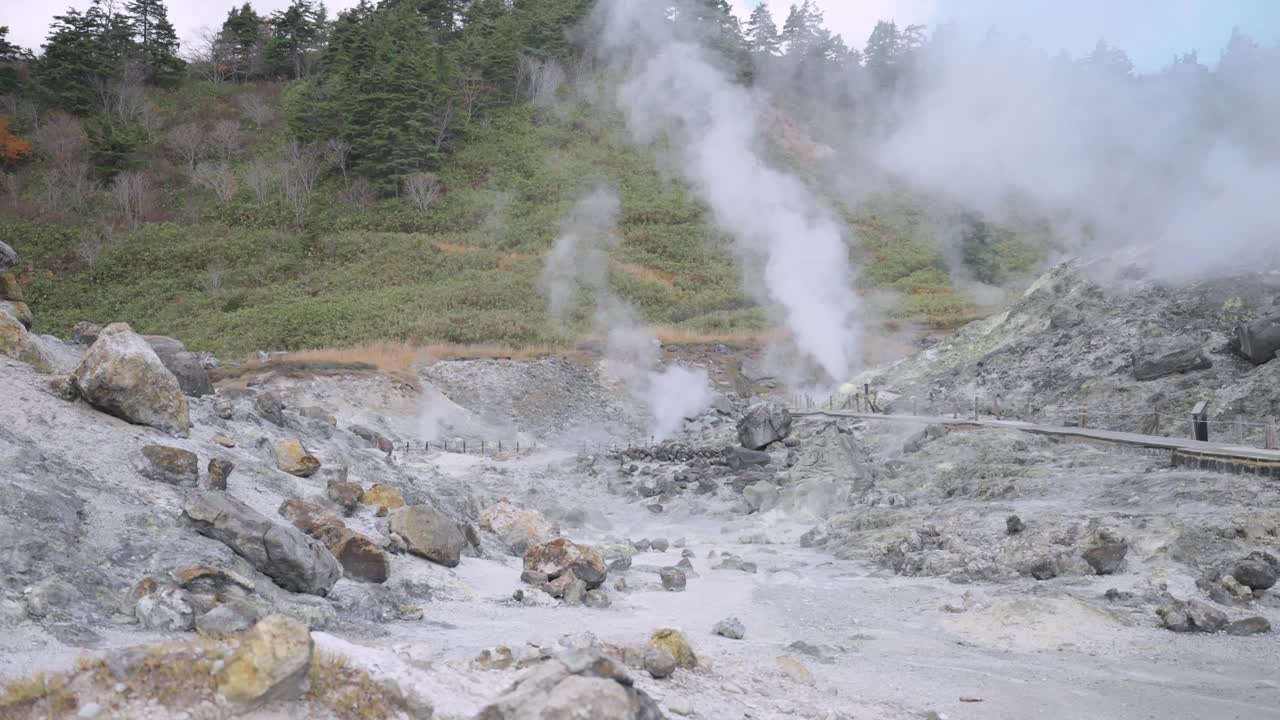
[(1191, 616), (579, 685), (361, 558), (272, 663), (296, 562), (763, 423), (20, 312), (186, 366), (8, 257), (561, 555), (121, 375), (372, 437), (1168, 356), (674, 642), (1259, 340), (429, 533), (518, 528), (16, 342)]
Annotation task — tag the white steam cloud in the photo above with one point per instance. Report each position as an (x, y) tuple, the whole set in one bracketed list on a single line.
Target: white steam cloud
[(676, 97), (580, 258)]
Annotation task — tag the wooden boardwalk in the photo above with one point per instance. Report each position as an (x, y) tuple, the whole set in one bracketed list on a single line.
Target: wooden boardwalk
[(1184, 451)]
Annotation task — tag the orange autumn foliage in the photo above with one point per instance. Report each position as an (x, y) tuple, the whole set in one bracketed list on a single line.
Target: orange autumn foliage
[(13, 149)]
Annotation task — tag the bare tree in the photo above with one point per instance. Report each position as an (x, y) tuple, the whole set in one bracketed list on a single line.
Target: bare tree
[(422, 189), (62, 143), (337, 152), (211, 57), (538, 80), (301, 166), (12, 187), (216, 177), (131, 189), (226, 137), (122, 97), (359, 193), (472, 92), (152, 120), (256, 108), (188, 141), (260, 179), (442, 120)]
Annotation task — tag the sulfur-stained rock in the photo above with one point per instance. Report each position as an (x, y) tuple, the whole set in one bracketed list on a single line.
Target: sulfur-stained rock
[(121, 375), (361, 558), (558, 556), (674, 642), (16, 343), (518, 528), (165, 464), (294, 459), (20, 312), (429, 533), (271, 664), (383, 496), (345, 494)]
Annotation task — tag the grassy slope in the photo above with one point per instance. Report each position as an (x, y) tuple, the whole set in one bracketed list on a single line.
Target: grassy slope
[(238, 277)]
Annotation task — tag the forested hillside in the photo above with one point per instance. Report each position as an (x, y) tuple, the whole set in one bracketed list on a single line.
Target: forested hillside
[(397, 173)]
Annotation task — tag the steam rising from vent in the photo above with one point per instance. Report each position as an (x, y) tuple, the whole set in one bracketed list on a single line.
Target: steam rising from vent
[(790, 244), (580, 257)]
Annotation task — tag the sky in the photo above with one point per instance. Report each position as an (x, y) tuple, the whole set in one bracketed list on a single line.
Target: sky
[(1151, 31)]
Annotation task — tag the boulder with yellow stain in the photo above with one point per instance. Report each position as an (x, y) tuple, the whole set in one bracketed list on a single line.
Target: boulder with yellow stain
[(674, 642), (518, 528), (294, 459), (271, 664), (795, 670), (16, 343), (121, 375), (383, 495), (20, 312)]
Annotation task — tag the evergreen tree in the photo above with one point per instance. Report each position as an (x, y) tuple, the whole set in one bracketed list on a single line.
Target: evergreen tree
[(156, 39), (1109, 60), (243, 42), (714, 22), (884, 49), (800, 32), (78, 59), (13, 60), (762, 33), (296, 36)]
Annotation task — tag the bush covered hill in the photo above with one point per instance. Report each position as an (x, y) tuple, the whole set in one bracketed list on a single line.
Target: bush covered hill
[(396, 174)]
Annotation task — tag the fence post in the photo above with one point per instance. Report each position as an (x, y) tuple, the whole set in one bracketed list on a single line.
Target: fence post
[(997, 407), (975, 407), (1271, 436), (1155, 423), (1084, 417)]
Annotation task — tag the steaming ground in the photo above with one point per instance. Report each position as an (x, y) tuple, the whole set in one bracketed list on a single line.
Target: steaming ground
[(884, 575)]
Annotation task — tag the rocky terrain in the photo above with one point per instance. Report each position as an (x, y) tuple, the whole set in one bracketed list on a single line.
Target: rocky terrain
[(294, 545)]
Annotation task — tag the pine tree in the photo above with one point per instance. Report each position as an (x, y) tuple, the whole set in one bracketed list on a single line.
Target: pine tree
[(13, 60), (78, 58), (762, 33), (884, 48), (156, 39), (800, 30), (243, 42), (297, 33)]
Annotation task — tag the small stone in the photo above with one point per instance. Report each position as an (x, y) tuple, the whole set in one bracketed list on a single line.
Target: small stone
[(89, 710), (1014, 525), (1249, 626), (62, 389), (574, 591), (533, 577), (167, 610), (1106, 559), (170, 465), (642, 545), (270, 407), (228, 620), (679, 706), (1043, 569), (659, 662), (219, 471), (224, 441), (223, 408), (597, 599), (673, 579), (346, 494), (660, 545), (686, 553), (731, 628)]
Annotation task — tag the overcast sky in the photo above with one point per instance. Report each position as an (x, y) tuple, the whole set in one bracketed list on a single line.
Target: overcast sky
[(1152, 31)]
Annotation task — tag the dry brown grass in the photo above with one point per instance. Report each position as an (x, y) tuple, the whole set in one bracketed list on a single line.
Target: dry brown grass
[(504, 257), (653, 275), (670, 335), (350, 693)]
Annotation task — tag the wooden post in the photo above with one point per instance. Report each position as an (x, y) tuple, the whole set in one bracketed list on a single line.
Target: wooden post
[(1271, 436), (997, 407), (975, 407), (1084, 417), (1155, 423)]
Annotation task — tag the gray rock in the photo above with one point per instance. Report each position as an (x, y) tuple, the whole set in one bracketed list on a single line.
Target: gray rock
[(271, 407), (673, 579), (1191, 616), (372, 437), (621, 564), (1255, 625), (228, 619), (1014, 525), (533, 577), (8, 257), (121, 375), (722, 404), (1043, 569), (1168, 356), (579, 685), (165, 610), (739, 458), (763, 423), (293, 560), (85, 333), (186, 366), (1259, 339), (429, 533), (659, 544), (1106, 559), (1066, 319), (219, 471), (642, 545), (223, 408), (345, 494), (659, 662), (171, 465), (574, 591), (1254, 574), (598, 599), (731, 628)]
